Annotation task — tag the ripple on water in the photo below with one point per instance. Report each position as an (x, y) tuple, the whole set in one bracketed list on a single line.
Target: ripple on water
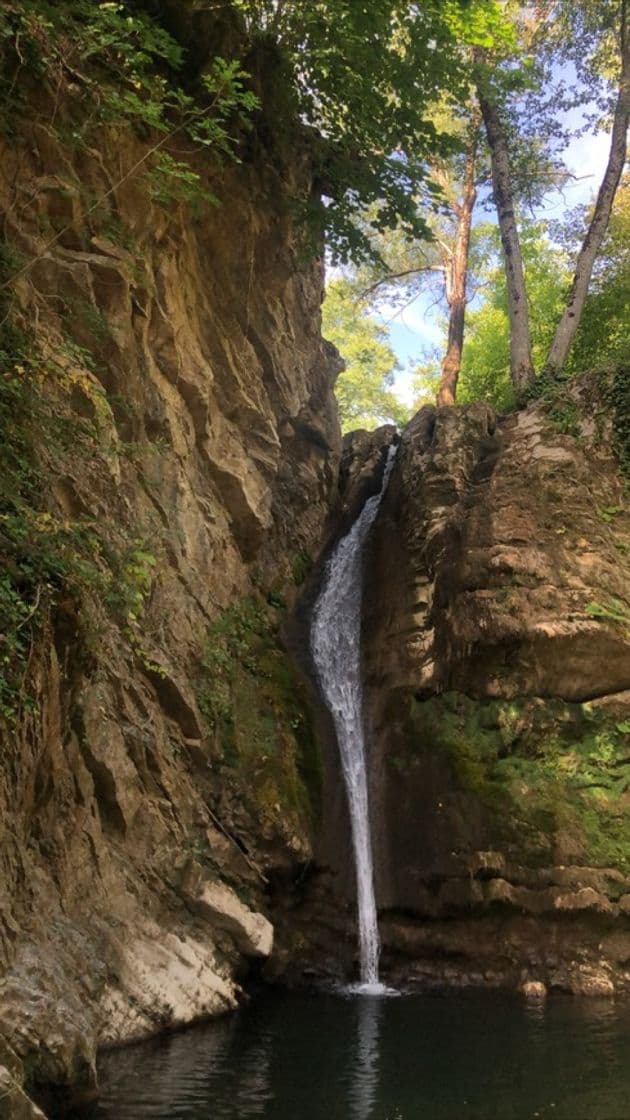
[(356, 1056)]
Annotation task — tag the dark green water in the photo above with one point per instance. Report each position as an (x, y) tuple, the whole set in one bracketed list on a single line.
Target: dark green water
[(417, 1057)]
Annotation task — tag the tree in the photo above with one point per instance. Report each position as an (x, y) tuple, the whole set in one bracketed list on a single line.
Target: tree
[(521, 362), (456, 267), (569, 323), (602, 337), (363, 390), (365, 76), (564, 31), (405, 267), (486, 362)]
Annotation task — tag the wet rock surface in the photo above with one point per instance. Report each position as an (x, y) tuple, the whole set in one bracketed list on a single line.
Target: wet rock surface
[(187, 355), (497, 705)]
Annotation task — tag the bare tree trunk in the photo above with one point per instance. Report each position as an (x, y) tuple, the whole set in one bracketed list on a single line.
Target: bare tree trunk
[(521, 364), (457, 274), (570, 321)]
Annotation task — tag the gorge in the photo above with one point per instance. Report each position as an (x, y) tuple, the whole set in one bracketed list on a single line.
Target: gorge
[(182, 528)]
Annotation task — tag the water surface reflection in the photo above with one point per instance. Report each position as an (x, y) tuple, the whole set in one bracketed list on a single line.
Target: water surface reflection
[(431, 1057)]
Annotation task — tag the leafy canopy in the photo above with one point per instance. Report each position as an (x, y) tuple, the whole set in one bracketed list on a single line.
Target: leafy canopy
[(363, 390), (366, 76)]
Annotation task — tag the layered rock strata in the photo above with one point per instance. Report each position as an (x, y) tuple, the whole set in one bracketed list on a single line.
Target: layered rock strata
[(189, 435), (497, 668)]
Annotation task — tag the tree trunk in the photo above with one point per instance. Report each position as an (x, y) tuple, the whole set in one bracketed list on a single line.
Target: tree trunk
[(570, 320), (456, 276), (521, 364)]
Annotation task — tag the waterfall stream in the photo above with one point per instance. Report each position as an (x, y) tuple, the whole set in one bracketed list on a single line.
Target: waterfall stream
[(336, 650)]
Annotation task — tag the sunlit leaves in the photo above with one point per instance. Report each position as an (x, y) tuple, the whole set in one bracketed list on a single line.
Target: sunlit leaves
[(364, 389), (366, 76)]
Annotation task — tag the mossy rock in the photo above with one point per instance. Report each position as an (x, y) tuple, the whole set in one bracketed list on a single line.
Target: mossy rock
[(553, 778), (250, 695)]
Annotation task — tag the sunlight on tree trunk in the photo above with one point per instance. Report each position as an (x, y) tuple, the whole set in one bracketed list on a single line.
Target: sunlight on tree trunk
[(521, 364), (456, 275), (570, 321)]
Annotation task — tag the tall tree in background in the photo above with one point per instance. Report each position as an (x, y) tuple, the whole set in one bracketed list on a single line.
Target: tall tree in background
[(521, 362), (456, 265), (603, 335), (441, 264), (569, 32), (569, 323), (485, 373)]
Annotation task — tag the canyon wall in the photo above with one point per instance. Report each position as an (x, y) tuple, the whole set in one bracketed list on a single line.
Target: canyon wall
[(497, 681), (170, 399)]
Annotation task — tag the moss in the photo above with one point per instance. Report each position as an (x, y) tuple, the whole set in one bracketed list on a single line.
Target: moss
[(301, 565), (250, 695), (546, 772), (51, 561)]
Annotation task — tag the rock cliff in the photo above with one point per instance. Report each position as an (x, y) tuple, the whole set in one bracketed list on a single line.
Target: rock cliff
[(497, 669), (173, 447)]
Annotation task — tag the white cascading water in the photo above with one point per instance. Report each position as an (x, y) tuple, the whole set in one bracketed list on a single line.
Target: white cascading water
[(336, 650)]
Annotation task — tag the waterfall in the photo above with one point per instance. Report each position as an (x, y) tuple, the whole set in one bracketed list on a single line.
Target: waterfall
[(336, 650)]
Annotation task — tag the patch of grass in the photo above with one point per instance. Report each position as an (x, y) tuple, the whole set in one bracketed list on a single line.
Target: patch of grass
[(614, 610)]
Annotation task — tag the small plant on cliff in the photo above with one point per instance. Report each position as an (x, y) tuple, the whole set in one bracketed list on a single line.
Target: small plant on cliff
[(50, 561), (615, 610), (231, 643), (618, 394), (126, 68), (301, 565)]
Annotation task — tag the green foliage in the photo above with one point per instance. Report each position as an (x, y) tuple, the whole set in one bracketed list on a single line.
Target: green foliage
[(559, 404), (618, 394), (485, 373), (365, 76), (232, 641), (50, 562), (301, 565), (172, 180), (37, 552), (127, 68), (362, 75), (564, 415), (615, 610), (363, 390), (542, 770), (603, 338)]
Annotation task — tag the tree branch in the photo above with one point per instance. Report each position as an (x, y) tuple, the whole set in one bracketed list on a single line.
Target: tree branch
[(399, 275)]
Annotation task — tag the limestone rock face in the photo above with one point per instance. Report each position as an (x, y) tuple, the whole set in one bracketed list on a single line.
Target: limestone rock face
[(252, 933), (497, 666), (183, 366), (14, 1104), (497, 676)]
